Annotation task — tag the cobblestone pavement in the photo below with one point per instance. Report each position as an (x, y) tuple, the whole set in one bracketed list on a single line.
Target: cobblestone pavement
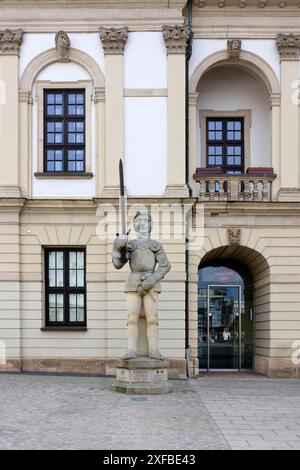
[(216, 411)]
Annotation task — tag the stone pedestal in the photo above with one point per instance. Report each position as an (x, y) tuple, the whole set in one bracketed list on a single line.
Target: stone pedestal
[(142, 376)]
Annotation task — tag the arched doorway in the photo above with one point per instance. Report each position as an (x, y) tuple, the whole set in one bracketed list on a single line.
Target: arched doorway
[(225, 316)]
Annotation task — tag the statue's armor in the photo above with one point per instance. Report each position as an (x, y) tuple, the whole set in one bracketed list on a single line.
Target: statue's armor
[(143, 256)]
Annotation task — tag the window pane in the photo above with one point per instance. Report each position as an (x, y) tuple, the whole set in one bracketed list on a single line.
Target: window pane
[(52, 314), (72, 110), (59, 260), (72, 98), (52, 300), (80, 260), (72, 260), (80, 314), (80, 278), (60, 278), (79, 110), (80, 300), (72, 278), (50, 99), (60, 300), (51, 259), (60, 315), (73, 314), (72, 300), (79, 98), (52, 278)]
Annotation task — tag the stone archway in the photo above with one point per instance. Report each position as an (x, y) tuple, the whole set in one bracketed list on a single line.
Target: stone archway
[(238, 257), (256, 67)]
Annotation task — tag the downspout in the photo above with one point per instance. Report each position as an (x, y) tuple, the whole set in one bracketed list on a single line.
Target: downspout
[(188, 215)]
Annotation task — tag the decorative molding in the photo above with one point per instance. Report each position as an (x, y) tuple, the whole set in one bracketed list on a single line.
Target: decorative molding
[(145, 92), (113, 39), (62, 45), (252, 63), (274, 99), (25, 97), (10, 41), (234, 48), (49, 57), (262, 3), (99, 94), (288, 46), (193, 99), (176, 38), (234, 236)]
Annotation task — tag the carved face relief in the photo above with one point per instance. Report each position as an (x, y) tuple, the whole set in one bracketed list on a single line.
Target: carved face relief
[(62, 43), (142, 224)]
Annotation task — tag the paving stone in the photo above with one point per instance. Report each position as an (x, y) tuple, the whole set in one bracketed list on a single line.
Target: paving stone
[(212, 412)]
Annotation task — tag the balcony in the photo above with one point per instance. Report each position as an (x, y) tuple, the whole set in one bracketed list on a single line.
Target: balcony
[(255, 185)]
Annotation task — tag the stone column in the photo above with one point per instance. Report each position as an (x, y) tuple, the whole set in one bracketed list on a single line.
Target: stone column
[(99, 100), (176, 40), (288, 47), (10, 43), (274, 101), (113, 42), (193, 99)]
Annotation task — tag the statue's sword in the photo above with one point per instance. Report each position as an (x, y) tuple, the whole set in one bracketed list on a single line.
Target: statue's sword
[(122, 198), (122, 208)]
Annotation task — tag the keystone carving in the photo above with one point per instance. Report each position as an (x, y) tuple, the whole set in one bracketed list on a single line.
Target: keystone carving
[(113, 39), (234, 48), (234, 236), (62, 44)]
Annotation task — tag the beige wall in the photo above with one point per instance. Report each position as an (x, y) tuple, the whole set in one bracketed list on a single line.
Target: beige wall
[(45, 223), (270, 248)]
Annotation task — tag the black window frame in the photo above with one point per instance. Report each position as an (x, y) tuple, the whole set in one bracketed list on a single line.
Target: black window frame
[(66, 289), (224, 143), (65, 118)]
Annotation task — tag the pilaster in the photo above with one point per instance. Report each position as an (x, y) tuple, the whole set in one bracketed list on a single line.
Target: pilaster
[(10, 43), (113, 42), (176, 40), (289, 47)]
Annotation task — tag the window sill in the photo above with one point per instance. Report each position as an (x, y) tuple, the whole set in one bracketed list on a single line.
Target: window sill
[(63, 175), (64, 328)]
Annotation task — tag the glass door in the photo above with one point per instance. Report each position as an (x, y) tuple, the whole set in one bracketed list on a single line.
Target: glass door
[(224, 325)]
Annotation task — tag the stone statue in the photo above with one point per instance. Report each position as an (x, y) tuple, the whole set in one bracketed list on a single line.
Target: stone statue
[(148, 264)]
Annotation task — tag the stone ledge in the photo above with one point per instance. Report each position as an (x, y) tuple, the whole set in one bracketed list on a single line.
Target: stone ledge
[(142, 362), (142, 388)]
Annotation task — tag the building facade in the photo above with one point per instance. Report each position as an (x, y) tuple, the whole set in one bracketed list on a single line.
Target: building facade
[(201, 99)]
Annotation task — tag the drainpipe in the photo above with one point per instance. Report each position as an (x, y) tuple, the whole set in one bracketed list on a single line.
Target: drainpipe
[(187, 220)]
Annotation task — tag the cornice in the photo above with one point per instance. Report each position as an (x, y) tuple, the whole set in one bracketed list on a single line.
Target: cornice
[(85, 19)]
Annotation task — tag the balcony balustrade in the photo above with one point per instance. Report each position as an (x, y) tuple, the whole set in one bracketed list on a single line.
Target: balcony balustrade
[(226, 187)]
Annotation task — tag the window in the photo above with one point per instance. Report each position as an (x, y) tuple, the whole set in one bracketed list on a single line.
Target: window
[(65, 287), (225, 144), (64, 130)]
